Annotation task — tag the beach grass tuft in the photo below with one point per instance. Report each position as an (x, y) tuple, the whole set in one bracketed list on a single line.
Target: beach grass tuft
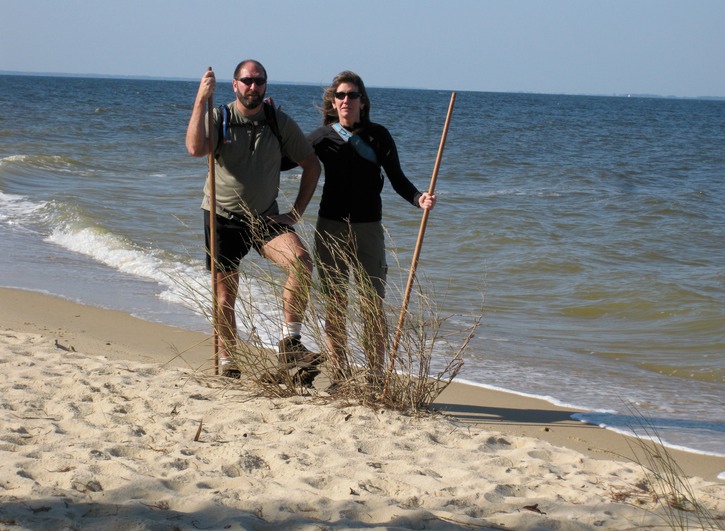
[(665, 483), (428, 349)]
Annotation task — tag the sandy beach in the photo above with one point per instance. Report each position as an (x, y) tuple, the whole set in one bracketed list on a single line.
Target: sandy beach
[(111, 422)]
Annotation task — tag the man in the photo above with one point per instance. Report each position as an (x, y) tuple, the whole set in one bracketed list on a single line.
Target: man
[(247, 166)]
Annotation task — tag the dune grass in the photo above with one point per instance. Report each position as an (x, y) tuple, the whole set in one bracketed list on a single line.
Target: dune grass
[(428, 356), (665, 485)]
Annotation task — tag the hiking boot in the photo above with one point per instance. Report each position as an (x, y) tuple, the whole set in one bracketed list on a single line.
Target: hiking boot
[(229, 369), (292, 353), (306, 377), (236, 374)]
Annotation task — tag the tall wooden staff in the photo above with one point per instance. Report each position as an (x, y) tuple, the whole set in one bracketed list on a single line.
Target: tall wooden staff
[(212, 234), (418, 246)]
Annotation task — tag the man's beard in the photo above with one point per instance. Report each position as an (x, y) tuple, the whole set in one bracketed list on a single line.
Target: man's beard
[(250, 100)]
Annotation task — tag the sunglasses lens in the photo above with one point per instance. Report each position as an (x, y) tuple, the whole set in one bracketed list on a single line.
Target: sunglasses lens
[(351, 95), (249, 80)]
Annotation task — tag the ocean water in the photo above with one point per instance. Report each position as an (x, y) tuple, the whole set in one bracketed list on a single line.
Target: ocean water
[(587, 232)]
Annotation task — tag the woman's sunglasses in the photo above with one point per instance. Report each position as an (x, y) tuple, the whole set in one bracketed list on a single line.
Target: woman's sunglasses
[(351, 95)]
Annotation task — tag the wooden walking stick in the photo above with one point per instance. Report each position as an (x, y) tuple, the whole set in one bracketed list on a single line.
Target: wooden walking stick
[(418, 246), (212, 235)]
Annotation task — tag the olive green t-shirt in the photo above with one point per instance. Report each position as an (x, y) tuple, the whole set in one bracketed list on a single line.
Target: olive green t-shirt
[(247, 168)]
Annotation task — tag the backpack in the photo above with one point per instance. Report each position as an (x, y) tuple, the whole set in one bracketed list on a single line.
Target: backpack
[(270, 116)]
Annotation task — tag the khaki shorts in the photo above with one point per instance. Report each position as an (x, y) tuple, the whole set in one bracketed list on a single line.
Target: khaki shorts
[(340, 246)]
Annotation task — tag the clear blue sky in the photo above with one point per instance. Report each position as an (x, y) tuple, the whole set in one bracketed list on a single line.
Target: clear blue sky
[(665, 47)]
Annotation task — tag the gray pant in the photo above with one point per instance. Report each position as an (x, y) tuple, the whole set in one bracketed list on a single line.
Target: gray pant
[(340, 246)]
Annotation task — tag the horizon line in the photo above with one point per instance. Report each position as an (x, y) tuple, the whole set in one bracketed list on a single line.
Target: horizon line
[(308, 83)]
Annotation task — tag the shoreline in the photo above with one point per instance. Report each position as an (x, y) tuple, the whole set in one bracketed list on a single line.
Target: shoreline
[(121, 336), (112, 421)]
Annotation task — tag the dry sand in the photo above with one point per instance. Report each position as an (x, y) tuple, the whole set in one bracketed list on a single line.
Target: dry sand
[(110, 422)]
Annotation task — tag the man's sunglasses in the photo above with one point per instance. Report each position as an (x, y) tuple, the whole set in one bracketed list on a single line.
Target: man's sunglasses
[(351, 95), (249, 80)]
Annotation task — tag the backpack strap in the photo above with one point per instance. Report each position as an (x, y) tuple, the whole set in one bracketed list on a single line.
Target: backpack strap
[(270, 114), (224, 126)]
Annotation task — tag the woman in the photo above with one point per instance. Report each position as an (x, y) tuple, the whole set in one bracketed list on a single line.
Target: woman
[(350, 233)]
